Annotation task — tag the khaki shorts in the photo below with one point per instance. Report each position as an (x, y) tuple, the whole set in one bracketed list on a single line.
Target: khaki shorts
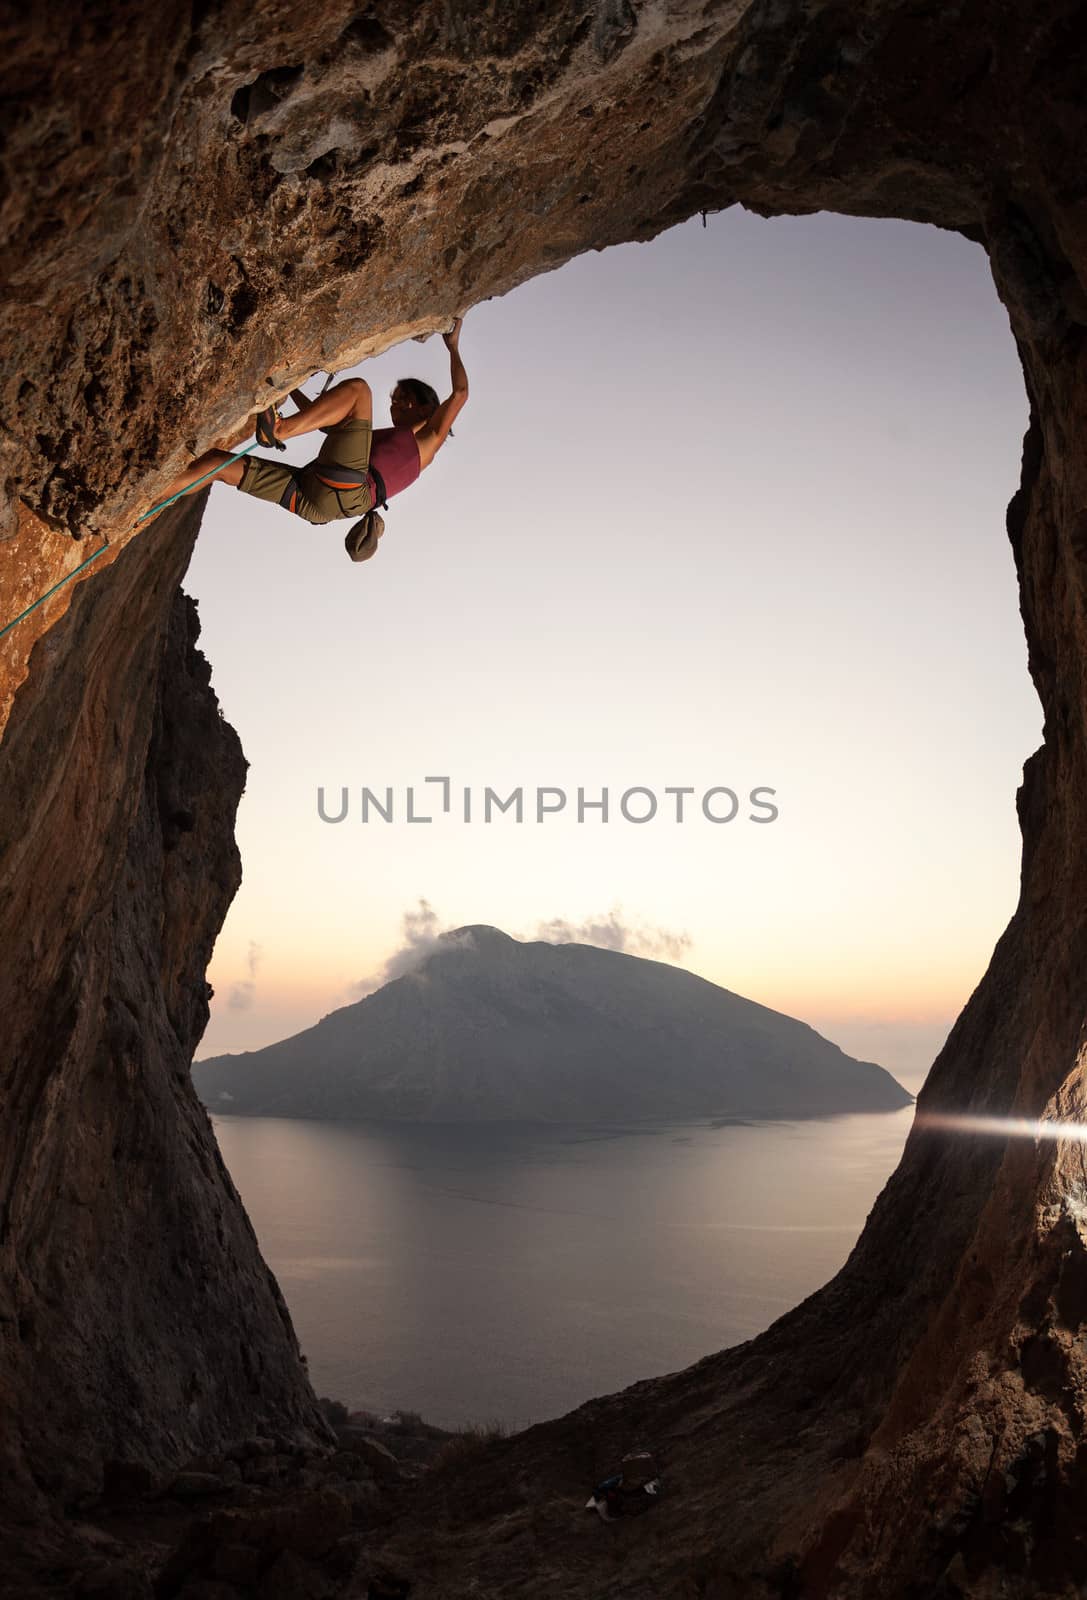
[(314, 491)]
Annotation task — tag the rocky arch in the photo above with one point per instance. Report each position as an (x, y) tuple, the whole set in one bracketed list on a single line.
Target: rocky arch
[(196, 221)]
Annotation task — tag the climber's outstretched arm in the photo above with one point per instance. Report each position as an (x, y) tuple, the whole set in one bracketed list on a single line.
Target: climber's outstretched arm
[(457, 374), (434, 435)]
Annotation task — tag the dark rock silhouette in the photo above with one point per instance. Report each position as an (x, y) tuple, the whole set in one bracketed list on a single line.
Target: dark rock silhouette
[(204, 204), (104, 1005), (488, 1029)]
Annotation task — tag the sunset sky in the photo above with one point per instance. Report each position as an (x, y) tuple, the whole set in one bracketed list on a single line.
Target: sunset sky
[(726, 509)]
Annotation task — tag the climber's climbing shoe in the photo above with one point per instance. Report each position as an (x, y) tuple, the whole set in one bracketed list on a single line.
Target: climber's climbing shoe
[(266, 429)]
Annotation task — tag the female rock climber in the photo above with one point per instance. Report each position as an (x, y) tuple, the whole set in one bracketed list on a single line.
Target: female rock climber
[(356, 468)]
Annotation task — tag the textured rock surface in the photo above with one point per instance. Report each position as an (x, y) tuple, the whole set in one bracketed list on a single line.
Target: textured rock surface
[(136, 1316), (242, 194)]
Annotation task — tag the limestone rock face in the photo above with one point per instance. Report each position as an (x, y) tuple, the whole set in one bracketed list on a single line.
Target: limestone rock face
[(120, 783), (191, 223)]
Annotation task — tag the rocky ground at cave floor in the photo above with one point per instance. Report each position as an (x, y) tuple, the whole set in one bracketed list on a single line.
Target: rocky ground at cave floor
[(399, 1502), (396, 1509), (266, 1518)]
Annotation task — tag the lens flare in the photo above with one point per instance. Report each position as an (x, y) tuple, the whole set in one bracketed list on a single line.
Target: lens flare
[(1002, 1127)]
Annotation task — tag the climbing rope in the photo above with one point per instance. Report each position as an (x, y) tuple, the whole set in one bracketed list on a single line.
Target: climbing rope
[(142, 518), (188, 489), (43, 598), (40, 601)]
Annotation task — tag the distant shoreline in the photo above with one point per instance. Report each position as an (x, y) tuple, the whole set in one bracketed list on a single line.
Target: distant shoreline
[(645, 1128)]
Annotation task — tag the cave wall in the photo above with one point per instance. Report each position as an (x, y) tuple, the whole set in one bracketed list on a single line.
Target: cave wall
[(138, 1322), (245, 194)]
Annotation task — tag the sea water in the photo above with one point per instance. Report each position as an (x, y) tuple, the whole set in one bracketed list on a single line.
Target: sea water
[(505, 1274)]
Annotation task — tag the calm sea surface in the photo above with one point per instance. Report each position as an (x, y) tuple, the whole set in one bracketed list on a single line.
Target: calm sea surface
[(507, 1274)]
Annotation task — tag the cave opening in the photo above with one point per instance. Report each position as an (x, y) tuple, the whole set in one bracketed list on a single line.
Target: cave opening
[(916, 1425), (724, 508)]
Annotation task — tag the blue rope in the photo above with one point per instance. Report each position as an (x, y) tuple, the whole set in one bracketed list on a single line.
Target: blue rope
[(190, 487), (43, 598), (95, 554)]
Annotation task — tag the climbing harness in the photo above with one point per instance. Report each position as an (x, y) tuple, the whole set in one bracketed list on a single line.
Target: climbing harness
[(163, 504), (343, 480)]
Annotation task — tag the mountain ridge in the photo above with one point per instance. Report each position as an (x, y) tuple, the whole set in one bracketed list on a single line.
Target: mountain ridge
[(486, 1027)]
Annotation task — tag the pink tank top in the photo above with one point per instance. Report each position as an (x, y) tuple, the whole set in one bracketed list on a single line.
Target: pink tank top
[(395, 454)]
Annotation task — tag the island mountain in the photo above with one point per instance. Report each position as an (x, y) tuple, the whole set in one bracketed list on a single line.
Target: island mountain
[(486, 1028)]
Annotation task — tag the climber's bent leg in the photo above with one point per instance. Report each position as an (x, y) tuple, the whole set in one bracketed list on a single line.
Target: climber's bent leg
[(199, 468), (282, 486), (350, 400)]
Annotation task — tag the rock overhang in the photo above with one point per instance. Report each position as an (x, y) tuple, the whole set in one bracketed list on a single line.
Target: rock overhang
[(241, 196)]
